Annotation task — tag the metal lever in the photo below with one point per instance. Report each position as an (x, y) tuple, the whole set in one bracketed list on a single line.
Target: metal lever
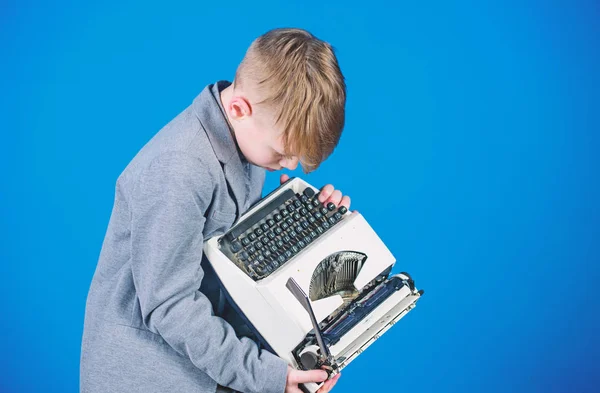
[(299, 294)]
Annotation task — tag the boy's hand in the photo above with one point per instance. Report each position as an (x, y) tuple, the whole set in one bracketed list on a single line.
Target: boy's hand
[(327, 194), (294, 377)]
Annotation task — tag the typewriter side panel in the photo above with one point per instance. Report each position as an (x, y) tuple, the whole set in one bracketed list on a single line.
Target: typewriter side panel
[(274, 327)]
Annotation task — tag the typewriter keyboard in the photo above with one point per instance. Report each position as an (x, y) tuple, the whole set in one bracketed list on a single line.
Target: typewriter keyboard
[(272, 235)]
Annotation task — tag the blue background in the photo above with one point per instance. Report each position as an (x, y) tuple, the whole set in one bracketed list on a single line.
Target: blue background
[(471, 146)]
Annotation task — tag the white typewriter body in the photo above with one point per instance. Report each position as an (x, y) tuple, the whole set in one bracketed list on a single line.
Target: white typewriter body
[(278, 315)]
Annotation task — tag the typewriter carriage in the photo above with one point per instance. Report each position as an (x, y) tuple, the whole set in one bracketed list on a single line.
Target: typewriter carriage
[(307, 353)]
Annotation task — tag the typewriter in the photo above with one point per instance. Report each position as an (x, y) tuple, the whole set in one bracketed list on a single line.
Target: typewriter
[(313, 281)]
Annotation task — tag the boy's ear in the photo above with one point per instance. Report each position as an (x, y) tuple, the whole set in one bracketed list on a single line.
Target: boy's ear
[(240, 107)]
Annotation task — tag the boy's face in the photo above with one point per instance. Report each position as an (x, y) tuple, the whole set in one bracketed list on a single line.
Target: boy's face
[(262, 145), (258, 137)]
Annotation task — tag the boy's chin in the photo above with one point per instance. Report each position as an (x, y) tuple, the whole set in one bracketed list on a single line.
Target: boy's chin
[(269, 168)]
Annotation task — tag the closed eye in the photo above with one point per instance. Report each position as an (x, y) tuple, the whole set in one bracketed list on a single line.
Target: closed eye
[(283, 155)]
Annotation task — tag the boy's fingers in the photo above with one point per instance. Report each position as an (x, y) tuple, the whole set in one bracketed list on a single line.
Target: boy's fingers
[(345, 202), (283, 178), (325, 193), (310, 376), (335, 379), (335, 197), (328, 385)]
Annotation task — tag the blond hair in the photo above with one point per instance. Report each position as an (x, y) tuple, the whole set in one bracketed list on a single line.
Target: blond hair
[(298, 76)]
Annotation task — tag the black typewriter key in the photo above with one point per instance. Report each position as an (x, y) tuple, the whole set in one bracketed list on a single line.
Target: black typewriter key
[(235, 246), (271, 222), (267, 254), (337, 216), (305, 224), (313, 234), (258, 245), (279, 243), (315, 202), (284, 225), (281, 258), (289, 221), (297, 203), (265, 239), (331, 206), (252, 236), (278, 217), (258, 232), (296, 216), (320, 230), (342, 209), (284, 213), (286, 239), (260, 258), (271, 235), (301, 244), (264, 227), (295, 249), (303, 198), (331, 220), (290, 208), (298, 228), (273, 248), (278, 230), (293, 233), (325, 225), (309, 192), (243, 256), (251, 250), (311, 220), (323, 211), (287, 253), (317, 215), (307, 239), (245, 241), (303, 211)]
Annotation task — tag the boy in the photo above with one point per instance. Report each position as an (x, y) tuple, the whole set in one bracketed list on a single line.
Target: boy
[(156, 319)]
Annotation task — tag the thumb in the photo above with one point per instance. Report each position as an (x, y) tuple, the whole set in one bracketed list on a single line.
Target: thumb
[(309, 376), (283, 178)]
